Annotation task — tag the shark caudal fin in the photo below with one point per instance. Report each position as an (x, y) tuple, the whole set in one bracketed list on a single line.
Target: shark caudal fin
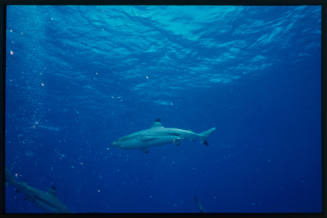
[(9, 178), (204, 135)]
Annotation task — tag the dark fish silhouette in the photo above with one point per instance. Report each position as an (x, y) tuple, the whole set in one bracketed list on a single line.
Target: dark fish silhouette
[(45, 200)]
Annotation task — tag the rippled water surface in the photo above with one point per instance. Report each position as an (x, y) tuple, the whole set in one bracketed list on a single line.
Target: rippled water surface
[(79, 77)]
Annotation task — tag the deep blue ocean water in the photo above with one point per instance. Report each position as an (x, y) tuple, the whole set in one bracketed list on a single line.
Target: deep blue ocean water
[(79, 77)]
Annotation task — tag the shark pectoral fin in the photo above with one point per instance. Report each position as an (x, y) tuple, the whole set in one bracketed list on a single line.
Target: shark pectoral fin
[(145, 150), (28, 198), (177, 141)]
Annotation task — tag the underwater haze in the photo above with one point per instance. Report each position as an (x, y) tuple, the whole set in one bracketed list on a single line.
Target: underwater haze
[(80, 77)]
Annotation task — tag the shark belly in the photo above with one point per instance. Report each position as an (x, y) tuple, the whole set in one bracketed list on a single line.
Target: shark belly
[(149, 141)]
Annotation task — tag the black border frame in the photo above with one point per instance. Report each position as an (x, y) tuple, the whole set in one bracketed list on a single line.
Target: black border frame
[(322, 3)]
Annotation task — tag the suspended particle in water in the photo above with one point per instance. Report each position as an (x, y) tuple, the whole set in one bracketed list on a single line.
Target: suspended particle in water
[(11, 30), (42, 84), (11, 52), (99, 190), (146, 77), (61, 156), (29, 153)]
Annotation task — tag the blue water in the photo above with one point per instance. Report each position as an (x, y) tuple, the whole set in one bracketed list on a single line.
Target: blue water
[(78, 78)]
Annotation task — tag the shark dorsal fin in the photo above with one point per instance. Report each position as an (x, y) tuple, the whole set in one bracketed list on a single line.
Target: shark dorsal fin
[(157, 123), (52, 190)]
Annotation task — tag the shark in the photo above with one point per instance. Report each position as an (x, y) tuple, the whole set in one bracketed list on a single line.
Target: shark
[(46, 200), (159, 135)]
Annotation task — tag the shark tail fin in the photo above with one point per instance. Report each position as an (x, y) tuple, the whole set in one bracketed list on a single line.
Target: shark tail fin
[(204, 135), (9, 178)]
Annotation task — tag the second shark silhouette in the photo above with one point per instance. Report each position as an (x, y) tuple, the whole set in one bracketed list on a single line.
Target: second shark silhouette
[(45, 200)]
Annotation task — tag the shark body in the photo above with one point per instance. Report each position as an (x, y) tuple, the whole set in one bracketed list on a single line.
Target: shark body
[(45, 200), (159, 135)]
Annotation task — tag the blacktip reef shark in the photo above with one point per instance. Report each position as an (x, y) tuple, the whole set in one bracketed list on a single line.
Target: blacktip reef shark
[(45, 200), (159, 135)]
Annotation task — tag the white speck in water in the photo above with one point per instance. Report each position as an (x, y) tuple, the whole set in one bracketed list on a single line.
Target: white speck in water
[(112, 97), (96, 73), (99, 190), (11, 52), (81, 163), (107, 148), (73, 166), (11, 30), (16, 175), (146, 77), (51, 18), (42, 84)]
